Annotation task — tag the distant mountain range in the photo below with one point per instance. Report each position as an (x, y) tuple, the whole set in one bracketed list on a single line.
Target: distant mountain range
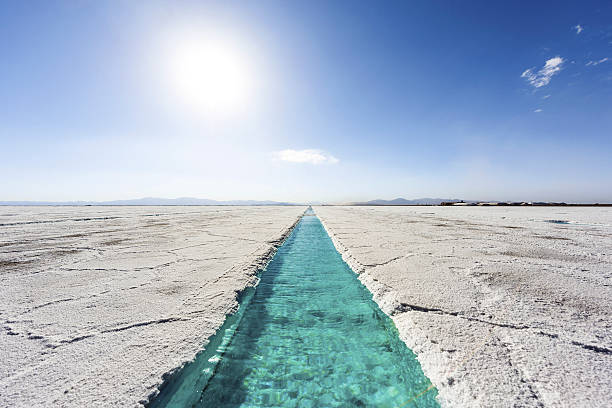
[(203, 201), (150, 201), (403, 201)]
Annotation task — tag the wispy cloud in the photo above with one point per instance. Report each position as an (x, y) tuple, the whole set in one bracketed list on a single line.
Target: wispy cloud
[(537, 110), (311, 156), (543, 76), (597, 62), (578, 28), (546, 97)]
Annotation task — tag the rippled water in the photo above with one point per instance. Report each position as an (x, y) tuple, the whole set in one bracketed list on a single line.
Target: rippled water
[(309, 335)]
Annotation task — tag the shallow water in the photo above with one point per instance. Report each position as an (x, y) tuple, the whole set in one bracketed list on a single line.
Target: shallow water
[(309, 335)]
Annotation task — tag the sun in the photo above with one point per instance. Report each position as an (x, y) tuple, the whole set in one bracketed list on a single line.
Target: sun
[(210, 74)]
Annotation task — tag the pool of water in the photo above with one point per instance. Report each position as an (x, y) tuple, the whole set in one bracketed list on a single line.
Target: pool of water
[(309, 335), (557, 221)]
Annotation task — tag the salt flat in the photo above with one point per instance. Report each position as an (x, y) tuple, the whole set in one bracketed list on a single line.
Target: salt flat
[(503, 307), (97, 303)]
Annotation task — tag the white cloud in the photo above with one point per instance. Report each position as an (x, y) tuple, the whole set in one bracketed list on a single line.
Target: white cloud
[(538, 110), (546, 97), (311, 156), (543, 76), (597, 62), (578, 28)]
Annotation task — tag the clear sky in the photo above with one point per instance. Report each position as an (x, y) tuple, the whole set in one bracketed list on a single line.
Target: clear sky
[(322, 101)]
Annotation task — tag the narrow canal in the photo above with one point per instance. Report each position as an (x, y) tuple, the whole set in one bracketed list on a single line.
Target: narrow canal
[(309, 335)]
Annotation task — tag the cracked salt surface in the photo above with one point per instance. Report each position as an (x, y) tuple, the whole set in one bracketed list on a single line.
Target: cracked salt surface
[(500, 311), (98, 303)]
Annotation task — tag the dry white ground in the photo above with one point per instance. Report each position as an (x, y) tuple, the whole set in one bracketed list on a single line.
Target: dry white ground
[(502, 307), (97, 303)]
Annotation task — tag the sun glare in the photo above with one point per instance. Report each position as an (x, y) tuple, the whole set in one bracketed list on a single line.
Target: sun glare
[(211, 76)]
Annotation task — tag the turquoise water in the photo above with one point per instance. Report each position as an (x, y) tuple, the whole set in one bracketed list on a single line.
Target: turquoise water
[(309, 335)]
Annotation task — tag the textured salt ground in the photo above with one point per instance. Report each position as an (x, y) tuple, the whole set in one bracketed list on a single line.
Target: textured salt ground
[(97, 303), (502, 307)]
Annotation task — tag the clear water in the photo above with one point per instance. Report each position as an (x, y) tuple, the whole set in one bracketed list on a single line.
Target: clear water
[(558, 221), (309, 335)]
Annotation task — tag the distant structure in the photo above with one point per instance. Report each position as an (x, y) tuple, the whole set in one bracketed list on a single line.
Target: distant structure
[(520, 203)]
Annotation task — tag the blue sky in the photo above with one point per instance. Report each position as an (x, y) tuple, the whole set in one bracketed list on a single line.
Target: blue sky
[(322, 101)]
